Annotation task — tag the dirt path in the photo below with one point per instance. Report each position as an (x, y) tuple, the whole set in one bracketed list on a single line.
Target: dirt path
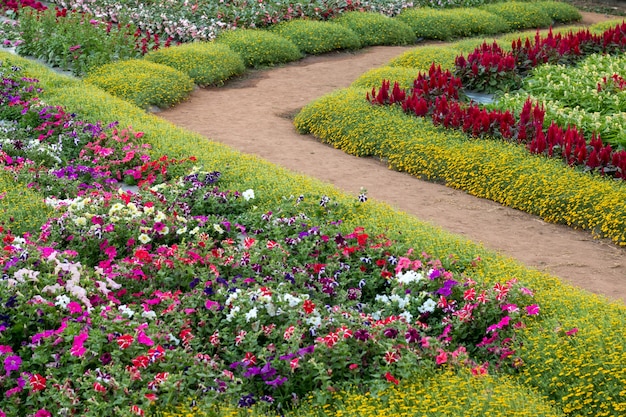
[(249, 115)]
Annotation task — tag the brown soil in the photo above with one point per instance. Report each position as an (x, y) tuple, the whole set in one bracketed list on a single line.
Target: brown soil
[(249, 115)]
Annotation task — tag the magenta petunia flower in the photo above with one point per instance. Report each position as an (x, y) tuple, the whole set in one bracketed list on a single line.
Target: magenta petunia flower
[(12, 363)]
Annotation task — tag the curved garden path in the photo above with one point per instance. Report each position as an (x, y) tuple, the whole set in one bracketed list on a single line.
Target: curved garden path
[(249, 114)]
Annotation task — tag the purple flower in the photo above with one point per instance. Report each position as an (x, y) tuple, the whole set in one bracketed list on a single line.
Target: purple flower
[(306, 350), (277, 382), (12, 363), (362, 335), (390, 333), (252, 371), (412, 336), (247, 401)]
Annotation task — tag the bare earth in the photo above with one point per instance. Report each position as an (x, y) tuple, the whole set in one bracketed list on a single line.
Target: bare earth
[(249, 115)]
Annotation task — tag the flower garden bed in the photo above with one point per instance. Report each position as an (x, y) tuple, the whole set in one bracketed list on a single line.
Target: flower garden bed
[(126, 290)]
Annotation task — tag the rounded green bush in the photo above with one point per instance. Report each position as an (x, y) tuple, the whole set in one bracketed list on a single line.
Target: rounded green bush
[(421, 58), (377, 29), (207, 63), (561, 12), (374, 78), (317, 37), (260, 48), (428, 23), (467, 22), (142, 82), (520, 15)]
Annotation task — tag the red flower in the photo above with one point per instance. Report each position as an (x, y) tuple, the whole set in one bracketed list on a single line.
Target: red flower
[(391, 357), (308, 306), (141, 361), (37, 382), (391, 378), (136, 410), (98, 387), (124, 341)]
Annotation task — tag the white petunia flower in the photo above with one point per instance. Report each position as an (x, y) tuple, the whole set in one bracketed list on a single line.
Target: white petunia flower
[(62, 301), (252, 314), (428, 306), (80, 221), (144, 238), (248, 194)]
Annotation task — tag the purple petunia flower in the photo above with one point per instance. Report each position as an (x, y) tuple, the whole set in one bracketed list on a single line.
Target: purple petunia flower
[(12, 363), (412, 336), (277, 382), (362, 335), (390, 333)]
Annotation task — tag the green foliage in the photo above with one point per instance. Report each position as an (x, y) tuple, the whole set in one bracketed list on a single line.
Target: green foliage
[(206, 63), (500, 171), (470, 22), (142, 83), (376, 29), (21, 209), (422, 58), (521, 15), (561, 12), (602, 27), (77, 42), (428, 23), (374, 78), (260, 48), (316, 37)]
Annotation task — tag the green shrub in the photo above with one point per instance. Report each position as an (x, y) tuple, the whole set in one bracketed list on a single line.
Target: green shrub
[(142, 83), (520, 15), (601, 27), (561, 12), (316, 37), (374, 78), (206, 63), (377, 29), (428, 23), (74, 43), (422, 58), (470, 22), (260, 48)]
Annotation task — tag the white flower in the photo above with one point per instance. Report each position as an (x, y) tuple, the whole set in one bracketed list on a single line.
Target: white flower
[(218, 228), (149, 314), (126, 311), (165, 230), (80, 221), (402, 301), (194, 230), (407, 316), (251, 314), (148, 210), (62, 301), (428, 306), (160, 216), (382, 298), (248, 194), (293, 301), (232, 313), (115, 208), (409, 276), (144, 238), (181, 230)]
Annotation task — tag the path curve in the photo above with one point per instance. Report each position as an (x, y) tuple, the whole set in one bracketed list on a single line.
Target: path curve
[(250, 115)]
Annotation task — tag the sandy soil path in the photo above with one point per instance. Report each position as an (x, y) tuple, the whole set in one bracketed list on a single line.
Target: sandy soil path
[(249, 115)]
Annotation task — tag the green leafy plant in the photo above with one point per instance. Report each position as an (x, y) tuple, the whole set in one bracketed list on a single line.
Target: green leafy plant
[(422, 58), (74, 41), (142, 82), (521, 15), (206, 63), (428, 23), (260, 48), (561, 12), (377, 29), (316, 37)]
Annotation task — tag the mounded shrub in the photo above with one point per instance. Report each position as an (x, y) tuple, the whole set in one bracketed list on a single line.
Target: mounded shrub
[(377, 29), (206, 63), (470, 22), (260, 48), (143, 83), (428, 23), (521, 15), (374, 78), (317, 37), (561, 12), (421, 58)]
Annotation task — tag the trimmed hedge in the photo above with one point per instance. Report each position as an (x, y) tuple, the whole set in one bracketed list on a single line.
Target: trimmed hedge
[(428, 23), (317, 37), (376, 29), (142, 83), (206, 63), (600, 342), (374, 78), (422, 58), (260, 48), (521, 15), (561, 12), (500, 171)]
